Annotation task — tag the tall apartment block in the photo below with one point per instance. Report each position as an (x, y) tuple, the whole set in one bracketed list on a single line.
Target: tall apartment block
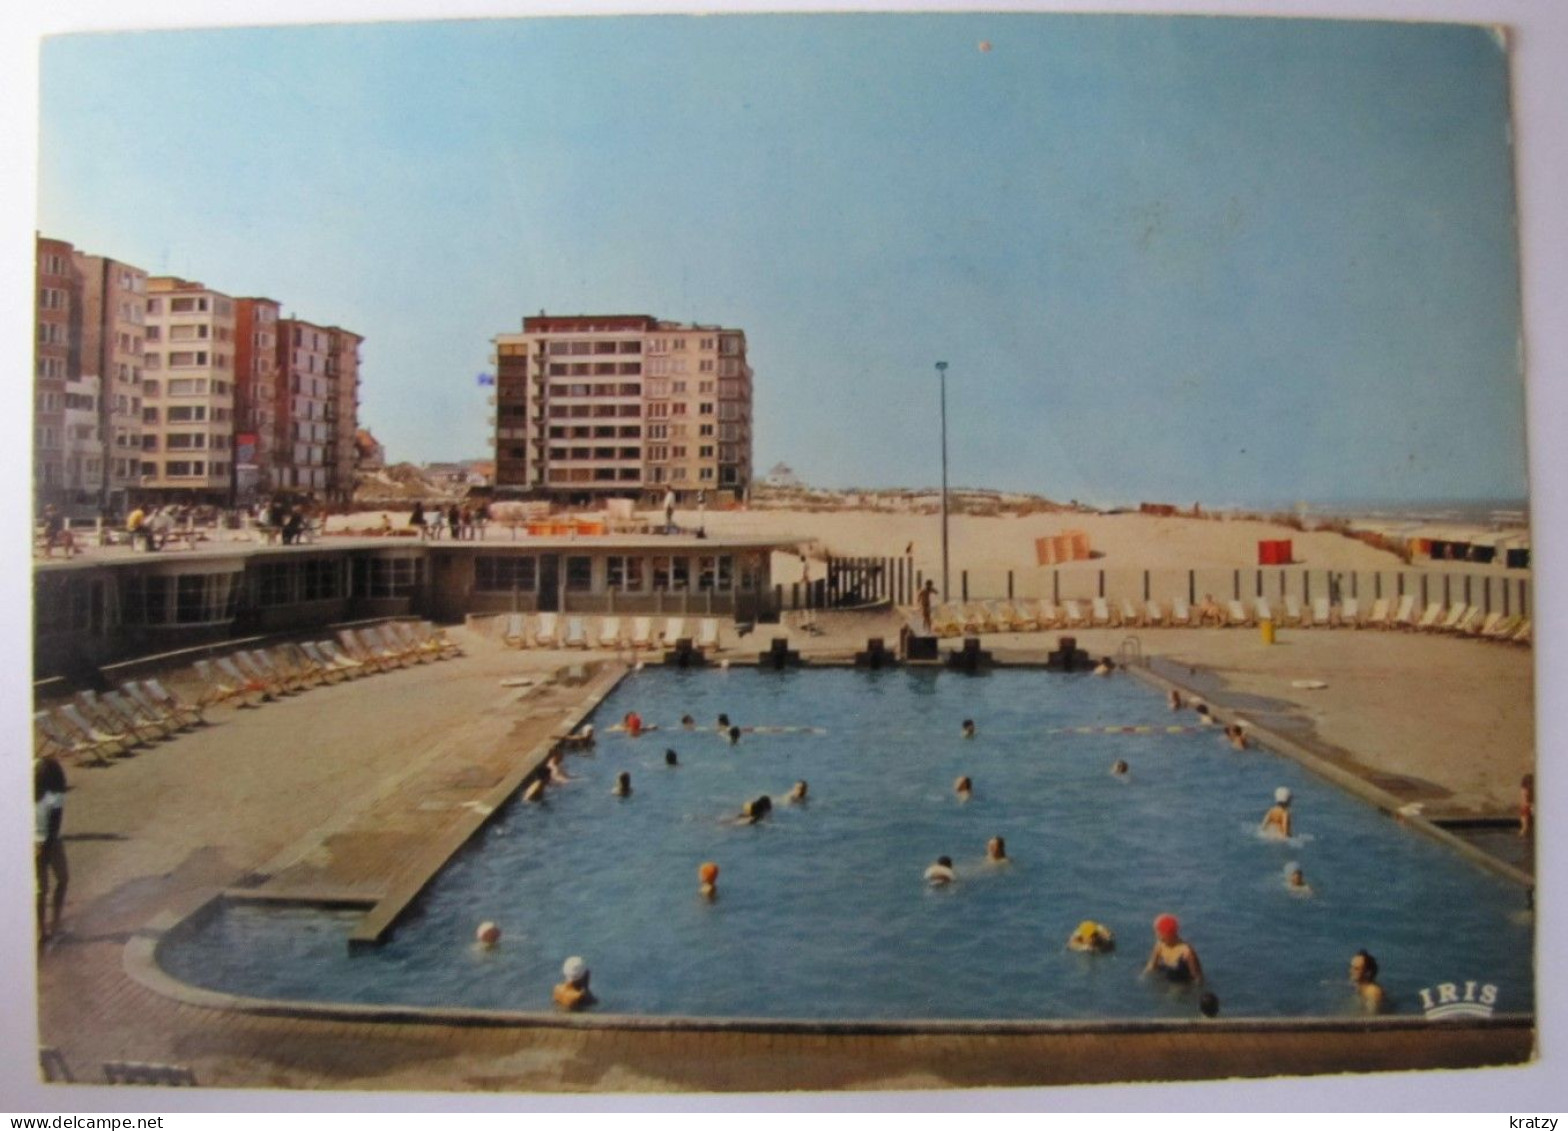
[(188, 393), (258, 447), (114, 314), (59, 305), (342, 455), (317, 408), (622, 406)]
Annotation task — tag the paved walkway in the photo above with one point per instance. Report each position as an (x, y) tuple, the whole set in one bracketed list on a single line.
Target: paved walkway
[(340, 788)]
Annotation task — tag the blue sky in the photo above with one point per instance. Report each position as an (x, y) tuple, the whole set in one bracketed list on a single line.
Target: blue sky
[(1165, 258)]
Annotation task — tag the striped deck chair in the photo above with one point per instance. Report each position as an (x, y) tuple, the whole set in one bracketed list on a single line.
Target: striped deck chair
[(1470, 622), (351, 645), (219, 687), (307, 659), (287, 678), (123, 715), (377, 645), (97, 714), (576, 633), (1153, 614), (1432, 618), (642, 632), (230, 668), (609, 635), (252, 668), (352, 665), (1378, 617), (169, 719), (120, 742), (708, 635), (389, 638), (674, 629), (1181, 613), (1405, 616), (546, 630), (1072, 615), (54, 737), (1099, 613), (514, 630), (170, 701), (1236, 615)]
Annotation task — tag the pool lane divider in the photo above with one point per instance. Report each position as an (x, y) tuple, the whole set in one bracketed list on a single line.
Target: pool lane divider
[(1349, 782)]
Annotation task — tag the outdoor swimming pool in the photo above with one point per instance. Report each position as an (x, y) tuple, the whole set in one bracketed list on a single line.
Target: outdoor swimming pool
[(822, 911)]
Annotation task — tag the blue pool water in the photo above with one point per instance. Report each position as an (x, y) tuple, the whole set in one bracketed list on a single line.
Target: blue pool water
[(822, 910)]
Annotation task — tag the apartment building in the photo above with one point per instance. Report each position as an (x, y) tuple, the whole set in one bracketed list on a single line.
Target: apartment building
[(622, 406), (342, 456), (257, 443), (305, 404), (187, 393), (57, 346), (114, 314)]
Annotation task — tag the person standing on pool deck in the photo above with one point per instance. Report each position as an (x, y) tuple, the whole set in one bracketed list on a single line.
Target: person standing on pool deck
[(1363, 975), (1276, 822), (925, 597), (1172, 957), (48, 849), (573, 994)]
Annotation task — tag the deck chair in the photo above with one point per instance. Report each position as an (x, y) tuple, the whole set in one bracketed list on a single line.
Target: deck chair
[(429, 633), (1405, 615), (1432, 618), (1099, 613), (219, 688), (120, 712), (514, 630), (343, 660), (609, 635), (1181, 613), (1456, 613), (642, 632), (1153, 614), (1294, 615), (1525, 635), (307, 659), (999, 614), (1022, 615), (115, 742), (1236, 614), (1129, 614), (252, 668), (351, 646), (392, 641), (150, 708), (1072, 615), (946, 621), (576, 633), (1350, 612), (1378, 617), (167, 699), (1262, 610), (1324, 615), (973, 619), (247, 682), (1484, 625), (285, 676), (340, 664), (1501, 630), (371, 643), (98, 714), (1470, 623), (60, 739), (708, 635), (419, 637), (546, 631), (674, 629)]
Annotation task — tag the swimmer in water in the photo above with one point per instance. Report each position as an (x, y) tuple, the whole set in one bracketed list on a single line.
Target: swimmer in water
[(573, 993), (797, 792), (671, 758), (941, 872), (583, 738), (1363, 975), (1296, 881), (964, 788), (1172, 957), (1208, 1004), (1276, 822), (623, 785), (1236, 736), (1120, 770), (633, 723), (1174, 699), (733, 734), (556, 771), (1105, 667), (535, 790), (1205, 716), (996, 851), (723, 724), (1092, 938), (688, 723), (708, 880), (754, 811), (969, 728)]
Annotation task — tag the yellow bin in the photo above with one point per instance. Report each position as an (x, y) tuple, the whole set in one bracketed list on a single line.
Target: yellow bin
[(1266, 627)]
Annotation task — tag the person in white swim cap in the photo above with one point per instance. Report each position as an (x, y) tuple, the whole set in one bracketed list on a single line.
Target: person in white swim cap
[(573, 993), (1276, 822)]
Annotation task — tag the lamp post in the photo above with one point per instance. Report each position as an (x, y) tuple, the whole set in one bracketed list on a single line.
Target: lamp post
[(941, 372)]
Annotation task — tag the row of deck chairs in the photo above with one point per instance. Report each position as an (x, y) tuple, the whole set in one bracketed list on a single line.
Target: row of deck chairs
[(551, 630), (1401, 613), (259, 675), (97, 725)]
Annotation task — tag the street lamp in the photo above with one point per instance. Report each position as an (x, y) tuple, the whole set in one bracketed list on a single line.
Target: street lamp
[(941, 371)]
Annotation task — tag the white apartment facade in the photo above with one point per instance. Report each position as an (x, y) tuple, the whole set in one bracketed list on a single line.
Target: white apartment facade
[(187, 393)]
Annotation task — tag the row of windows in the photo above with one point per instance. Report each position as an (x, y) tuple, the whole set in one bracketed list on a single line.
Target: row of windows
[(596, 432), (186, 469), (179, 359), (599, 411), (623, 573), (187, 387), (624, 389), (202, 598), (594, 475), (185, 441), (584, 349), (313, 579)]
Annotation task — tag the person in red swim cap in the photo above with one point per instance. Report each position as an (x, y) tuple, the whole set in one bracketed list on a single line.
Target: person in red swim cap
[(1172, 957)]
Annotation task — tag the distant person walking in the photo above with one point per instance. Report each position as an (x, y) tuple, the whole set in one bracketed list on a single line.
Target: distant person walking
[(136, 527), (48, 848), (416, 518), (925, 597), (454, 520), (669, 511)]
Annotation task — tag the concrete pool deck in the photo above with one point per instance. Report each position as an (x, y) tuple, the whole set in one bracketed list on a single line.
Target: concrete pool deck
[(345, 792)]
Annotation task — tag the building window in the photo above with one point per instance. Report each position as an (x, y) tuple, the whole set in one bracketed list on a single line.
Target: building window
[(495, 574), (579, 574), (386, 577)]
